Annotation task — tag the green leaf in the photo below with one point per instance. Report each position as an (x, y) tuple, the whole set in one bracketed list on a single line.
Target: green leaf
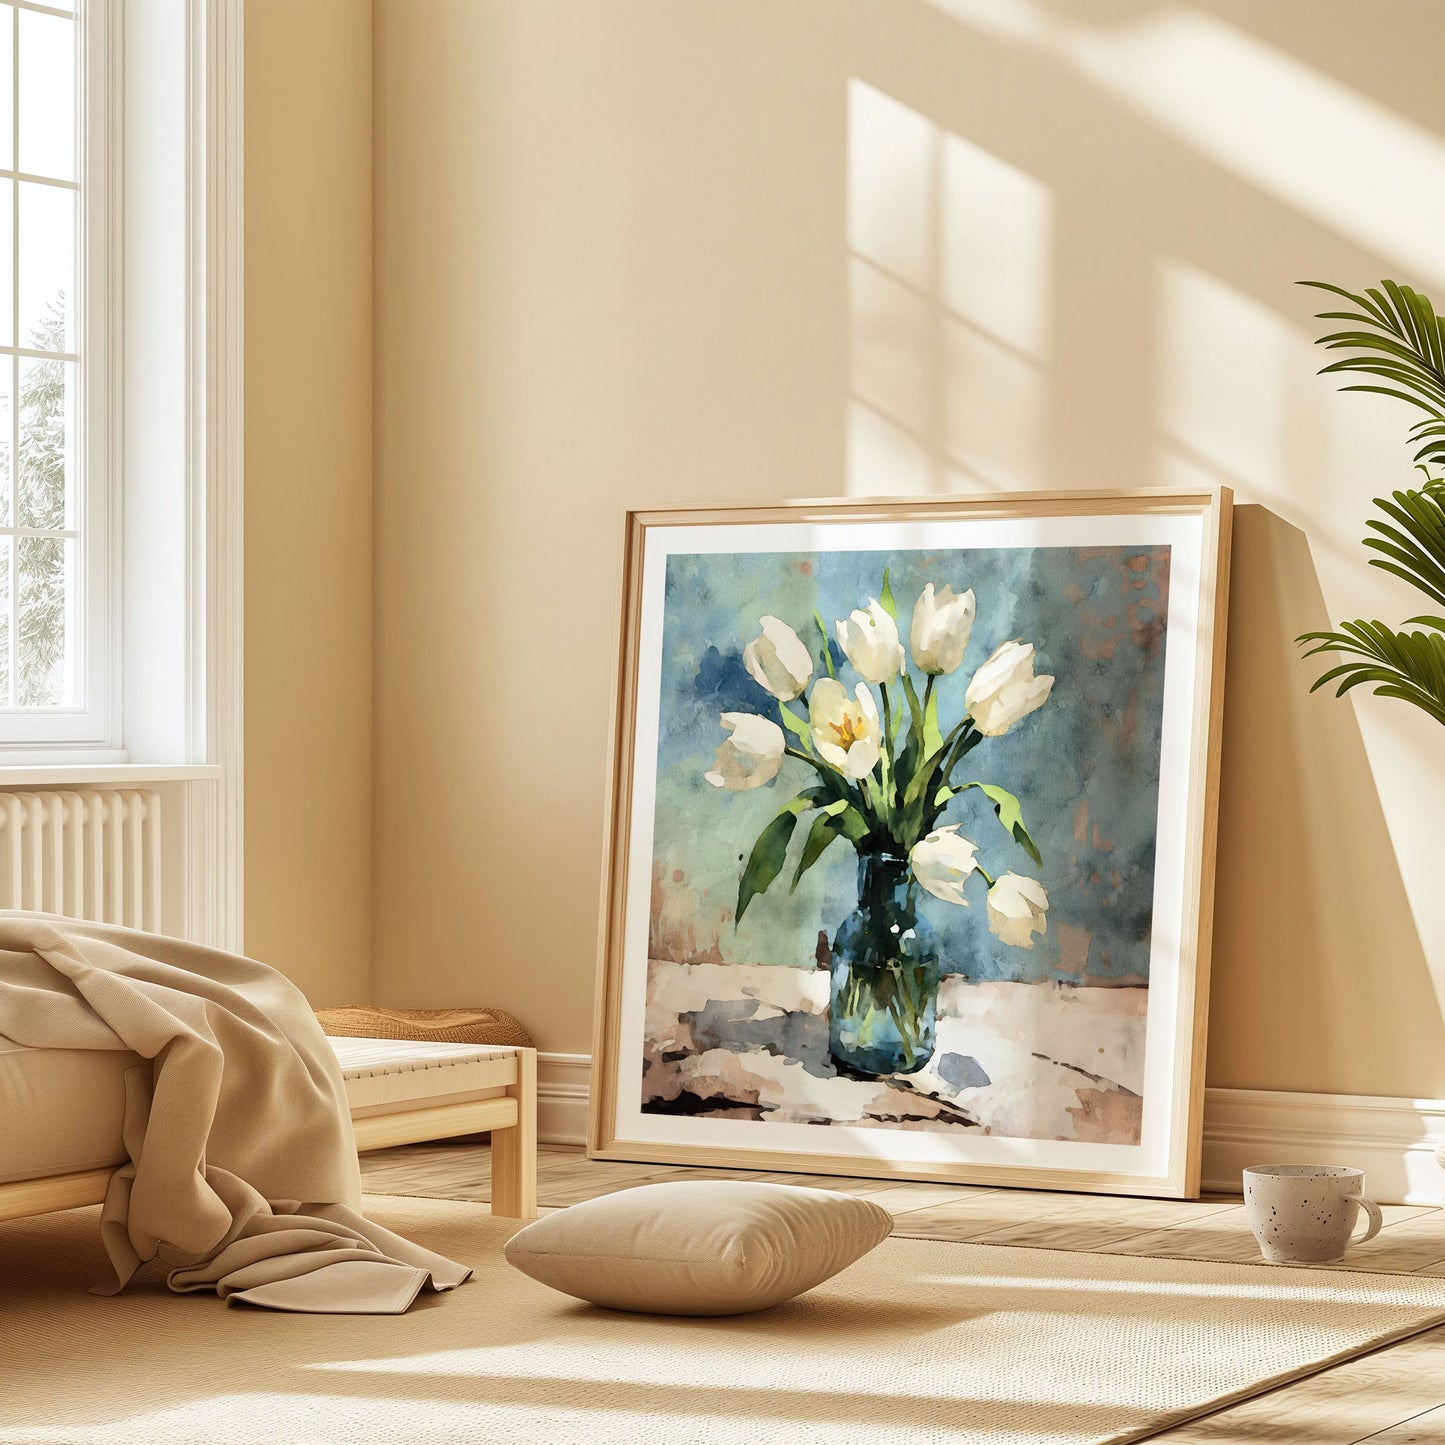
[(838, 820), (795, 725), (915, 815), (1413, 539), (1006, 809), (1427, 393), (1385, 391), (1376, 315), (770, 851), (886, 598), (1402, 341), (912, 748), (932, 738), (915, 707), (827, 645), (922, 777), (1409, 666)]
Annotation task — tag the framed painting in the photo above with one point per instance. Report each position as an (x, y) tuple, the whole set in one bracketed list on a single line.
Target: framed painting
[(910, 847)]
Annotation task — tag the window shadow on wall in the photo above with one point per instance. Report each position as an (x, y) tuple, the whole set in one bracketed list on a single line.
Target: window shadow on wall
[(1073, 231)]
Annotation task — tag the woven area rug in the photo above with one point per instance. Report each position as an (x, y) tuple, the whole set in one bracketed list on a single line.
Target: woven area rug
[(920, 1341)]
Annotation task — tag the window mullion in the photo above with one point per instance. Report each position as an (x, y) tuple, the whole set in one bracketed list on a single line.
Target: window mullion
[(33, 353), (34, 180)]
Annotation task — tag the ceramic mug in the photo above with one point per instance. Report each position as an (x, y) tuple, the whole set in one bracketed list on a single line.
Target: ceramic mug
[(1303, 1213)]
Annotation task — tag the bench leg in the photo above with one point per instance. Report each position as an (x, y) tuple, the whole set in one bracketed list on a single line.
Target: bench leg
[(514, 1150)]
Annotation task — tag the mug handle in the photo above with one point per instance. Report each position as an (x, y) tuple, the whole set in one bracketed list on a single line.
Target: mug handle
[(1376, 1219)]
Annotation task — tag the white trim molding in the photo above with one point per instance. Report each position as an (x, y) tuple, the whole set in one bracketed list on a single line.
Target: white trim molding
[(563, 1081), (1392, 1140), (216, 645)]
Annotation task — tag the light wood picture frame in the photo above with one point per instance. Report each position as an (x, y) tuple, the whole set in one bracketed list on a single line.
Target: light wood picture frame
[(909, 857)]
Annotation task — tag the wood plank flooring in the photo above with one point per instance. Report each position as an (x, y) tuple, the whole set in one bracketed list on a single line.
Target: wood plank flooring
[(1395, 1395)]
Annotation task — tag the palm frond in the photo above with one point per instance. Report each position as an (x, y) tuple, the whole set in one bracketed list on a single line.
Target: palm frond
[(1402, 343), (1411, 542), (1405, 665)]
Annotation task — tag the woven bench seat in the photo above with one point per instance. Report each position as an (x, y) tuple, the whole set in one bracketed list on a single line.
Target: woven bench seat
[(404, 1092), (382, 1073)]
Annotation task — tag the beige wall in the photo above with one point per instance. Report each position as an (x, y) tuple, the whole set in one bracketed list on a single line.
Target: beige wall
[(662, 249), (308, 492)]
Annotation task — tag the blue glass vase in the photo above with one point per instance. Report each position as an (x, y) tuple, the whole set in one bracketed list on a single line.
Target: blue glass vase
[(883, 994)]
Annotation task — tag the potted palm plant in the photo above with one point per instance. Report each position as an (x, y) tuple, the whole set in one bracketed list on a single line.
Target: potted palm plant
[(1395, 340), (1396, 343)]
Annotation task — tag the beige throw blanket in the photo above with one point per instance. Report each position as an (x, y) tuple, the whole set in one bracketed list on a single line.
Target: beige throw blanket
[(243, 1175)]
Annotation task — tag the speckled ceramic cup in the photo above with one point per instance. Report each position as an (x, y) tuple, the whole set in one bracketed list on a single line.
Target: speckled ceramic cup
[(1303, 1213)]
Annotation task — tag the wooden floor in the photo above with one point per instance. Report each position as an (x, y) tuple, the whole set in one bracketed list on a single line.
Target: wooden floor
[(1395, 1396)]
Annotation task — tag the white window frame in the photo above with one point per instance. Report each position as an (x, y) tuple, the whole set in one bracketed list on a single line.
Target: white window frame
[(91, 730), (164, 109), (183, 505)]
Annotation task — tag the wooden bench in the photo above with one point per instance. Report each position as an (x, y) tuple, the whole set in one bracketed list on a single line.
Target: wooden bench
[(400, 1093)]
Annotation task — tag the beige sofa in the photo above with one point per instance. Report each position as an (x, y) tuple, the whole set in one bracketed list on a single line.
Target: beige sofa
[(60, 1113)]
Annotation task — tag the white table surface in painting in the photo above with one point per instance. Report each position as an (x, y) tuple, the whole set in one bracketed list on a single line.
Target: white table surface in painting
[(1038, 1061)]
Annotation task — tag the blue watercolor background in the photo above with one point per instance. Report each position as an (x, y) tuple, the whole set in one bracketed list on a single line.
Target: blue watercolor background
[(1085, 767)]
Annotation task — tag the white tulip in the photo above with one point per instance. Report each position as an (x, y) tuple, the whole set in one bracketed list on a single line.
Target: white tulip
[(870, 638), (942, 863), (779, 660), (941, 624), (751, 756), (845, 728), (1016, 910), (1005, 689)]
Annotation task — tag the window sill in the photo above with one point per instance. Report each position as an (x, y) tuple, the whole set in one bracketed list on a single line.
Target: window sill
[(119, 774)]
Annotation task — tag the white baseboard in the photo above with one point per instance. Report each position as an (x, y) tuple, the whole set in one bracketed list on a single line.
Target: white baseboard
[(1392, 1140), (562, 1083)]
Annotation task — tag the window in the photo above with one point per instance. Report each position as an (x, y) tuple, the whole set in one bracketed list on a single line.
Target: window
[(53, 424)]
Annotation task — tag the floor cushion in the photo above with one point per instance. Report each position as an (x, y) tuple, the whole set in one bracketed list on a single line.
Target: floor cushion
[(699, 1247)]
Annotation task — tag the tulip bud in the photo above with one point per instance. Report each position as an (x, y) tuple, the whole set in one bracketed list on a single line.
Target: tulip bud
[(869, 636), (942, 622), (1005, 689), (1017, 909), (942, 863), (751, 756), (779, 660)]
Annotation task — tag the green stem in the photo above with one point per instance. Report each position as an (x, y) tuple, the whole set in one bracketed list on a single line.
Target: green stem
[(983, 872), (950, 751), (890, 790), (874, 793), (826, 769), (961, 748), (840, 783), (827, 646)]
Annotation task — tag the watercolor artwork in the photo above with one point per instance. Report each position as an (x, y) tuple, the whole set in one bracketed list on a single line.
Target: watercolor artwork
[(903, 847)]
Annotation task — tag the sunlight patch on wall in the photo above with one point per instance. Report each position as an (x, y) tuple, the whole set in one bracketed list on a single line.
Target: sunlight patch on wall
[(1333, 154), (1237, 400), (950, 256), (1221, 363)]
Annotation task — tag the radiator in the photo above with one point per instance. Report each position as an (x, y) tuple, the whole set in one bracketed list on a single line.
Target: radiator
[(85, 854)]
